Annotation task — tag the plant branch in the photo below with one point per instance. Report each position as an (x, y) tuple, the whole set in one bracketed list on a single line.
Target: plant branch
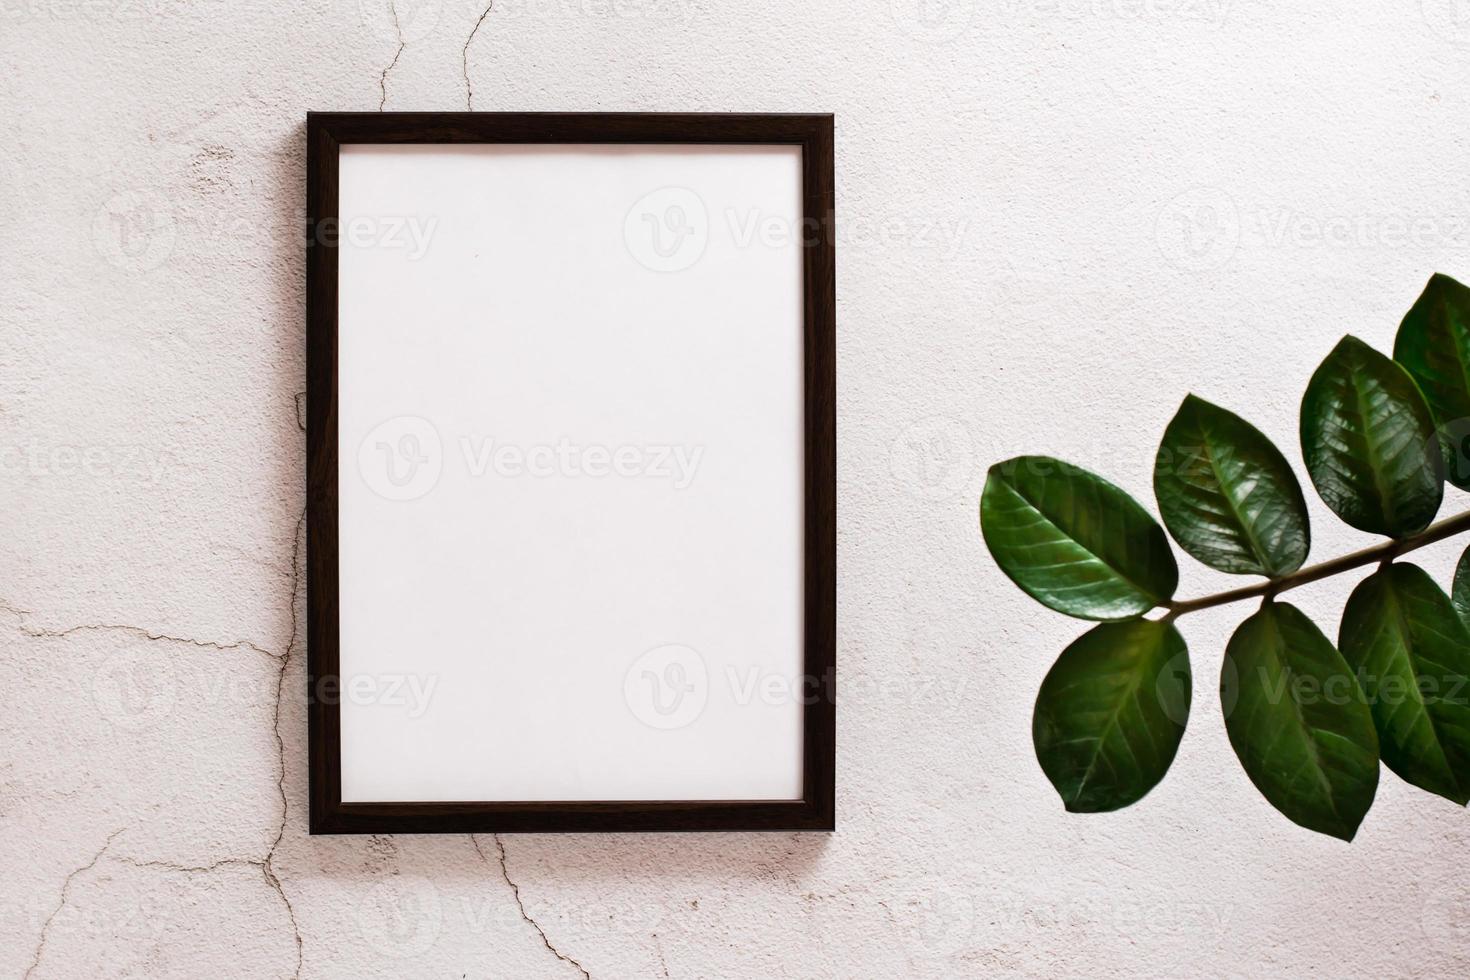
[(1447, 528)]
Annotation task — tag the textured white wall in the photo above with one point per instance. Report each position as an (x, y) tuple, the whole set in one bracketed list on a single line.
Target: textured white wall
[(1057, 216)]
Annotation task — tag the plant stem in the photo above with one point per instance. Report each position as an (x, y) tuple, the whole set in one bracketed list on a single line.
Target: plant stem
[(1387, 551)]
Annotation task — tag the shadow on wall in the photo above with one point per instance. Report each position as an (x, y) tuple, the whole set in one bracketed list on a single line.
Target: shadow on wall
[(590, 860)]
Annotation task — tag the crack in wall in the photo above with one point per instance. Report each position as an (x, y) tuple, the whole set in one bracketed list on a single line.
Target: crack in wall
[(188, 868), (658, 949), (301, 397), (139, 631), (65, 893), (464, 58), (383, 78), (516, 891), (173, 866), (267, 866)]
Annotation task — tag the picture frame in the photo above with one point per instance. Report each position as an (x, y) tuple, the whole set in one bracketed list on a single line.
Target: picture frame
[(520, 307)]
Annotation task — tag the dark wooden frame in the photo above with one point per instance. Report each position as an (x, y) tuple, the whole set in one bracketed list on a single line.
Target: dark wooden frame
[(325, 132)]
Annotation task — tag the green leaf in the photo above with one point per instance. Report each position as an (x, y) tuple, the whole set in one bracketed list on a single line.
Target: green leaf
[(1297, 721), (1460, 589), (1433, 343), (1227, 495), (1111, 712), (1073, 541), (1412, 655), (1369, 442)]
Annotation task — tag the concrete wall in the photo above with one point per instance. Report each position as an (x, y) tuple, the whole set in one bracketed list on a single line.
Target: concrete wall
[(1057, 217)]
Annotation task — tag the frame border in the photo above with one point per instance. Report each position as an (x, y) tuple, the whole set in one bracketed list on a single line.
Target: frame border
[(325, 133)]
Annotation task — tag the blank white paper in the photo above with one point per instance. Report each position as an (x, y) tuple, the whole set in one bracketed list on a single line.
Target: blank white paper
[(570, 486)]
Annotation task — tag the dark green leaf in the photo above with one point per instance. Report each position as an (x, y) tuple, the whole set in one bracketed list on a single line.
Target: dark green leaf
[(1298, 722), (1433, 343), (1228, 495), (1369, 442), (1073, 541), (1111, 712), (1460, 589), (1412, 656)]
